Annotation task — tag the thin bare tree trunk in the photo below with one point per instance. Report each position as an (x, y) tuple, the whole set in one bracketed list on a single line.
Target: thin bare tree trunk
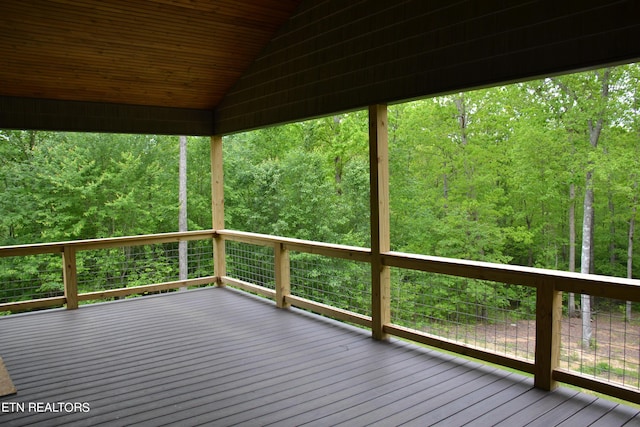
[(572, 245), (585, 259), (632, 223), (182, 214), (462, 118), (445, 186), (586, 262), (613, 258)]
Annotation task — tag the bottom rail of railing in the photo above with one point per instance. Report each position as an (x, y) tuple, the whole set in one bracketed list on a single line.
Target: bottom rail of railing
[(107, 294)]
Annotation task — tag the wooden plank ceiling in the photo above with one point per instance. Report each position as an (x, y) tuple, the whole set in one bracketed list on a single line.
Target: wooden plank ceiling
[(203, 67), (170, 53)]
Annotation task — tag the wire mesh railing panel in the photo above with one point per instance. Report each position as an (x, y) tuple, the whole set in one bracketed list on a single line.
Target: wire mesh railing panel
[(200, 258), (606, 347), (496, 317), (30, 277), (337, 282), (129, 266), (250, 263)]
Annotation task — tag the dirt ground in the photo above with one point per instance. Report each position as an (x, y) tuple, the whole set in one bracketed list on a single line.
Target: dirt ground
[(613, 353)]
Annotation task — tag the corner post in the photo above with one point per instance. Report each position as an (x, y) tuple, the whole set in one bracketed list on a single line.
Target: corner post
[(283, 275), (70, 277), (217, 208), (548, 324), (379, 212)]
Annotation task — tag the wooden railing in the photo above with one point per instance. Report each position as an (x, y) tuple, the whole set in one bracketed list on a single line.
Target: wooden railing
[(68, 251), (282, 293), (548, 284)]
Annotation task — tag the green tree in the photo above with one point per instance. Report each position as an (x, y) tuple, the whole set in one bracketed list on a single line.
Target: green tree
[(587, 100)]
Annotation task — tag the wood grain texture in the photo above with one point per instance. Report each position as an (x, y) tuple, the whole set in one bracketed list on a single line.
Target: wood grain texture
[(159, 53)]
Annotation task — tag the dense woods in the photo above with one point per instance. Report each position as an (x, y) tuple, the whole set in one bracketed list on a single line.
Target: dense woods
[(542, 173)]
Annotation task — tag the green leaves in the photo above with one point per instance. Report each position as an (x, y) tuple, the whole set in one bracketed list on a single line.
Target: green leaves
[(298, 188), (483, 175), (75, 186)]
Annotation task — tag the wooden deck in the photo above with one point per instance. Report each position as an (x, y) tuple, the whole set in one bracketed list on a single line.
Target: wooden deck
[(219, 357)]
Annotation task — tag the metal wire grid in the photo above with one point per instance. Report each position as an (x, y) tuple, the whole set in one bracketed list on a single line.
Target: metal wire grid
[(30, 277), (250, 263), (129, 266), (341, 283), (200, 258), (493, 316), (613, 351)]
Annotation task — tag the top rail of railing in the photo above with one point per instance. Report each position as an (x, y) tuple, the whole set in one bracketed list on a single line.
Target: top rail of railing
[(354, 253), (591, 284), (104, 243), (596, 285)]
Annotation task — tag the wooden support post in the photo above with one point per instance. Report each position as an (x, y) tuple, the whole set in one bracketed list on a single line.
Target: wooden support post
[(379, 200), (217, 207), (548, 324), (70, 277), (283, 275)]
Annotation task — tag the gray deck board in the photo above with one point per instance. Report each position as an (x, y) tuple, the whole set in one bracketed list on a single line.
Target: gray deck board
[(589, 414), (510, 408), (219, 357), (622, 415)]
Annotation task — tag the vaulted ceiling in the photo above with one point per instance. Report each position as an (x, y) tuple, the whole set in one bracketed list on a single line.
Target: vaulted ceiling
[(217, 66), (178, 53)]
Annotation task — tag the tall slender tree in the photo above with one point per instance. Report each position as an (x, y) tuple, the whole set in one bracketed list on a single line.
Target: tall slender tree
[(182, 215), (588, 95)]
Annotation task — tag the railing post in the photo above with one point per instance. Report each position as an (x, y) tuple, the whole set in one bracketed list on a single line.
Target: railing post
[(548, 324), (283, 275), (379, 208), (217, 208), (70, 277)]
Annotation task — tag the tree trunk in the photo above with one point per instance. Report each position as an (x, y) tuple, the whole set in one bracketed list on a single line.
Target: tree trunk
[(182, 214), (528, 219), (445, 186), (592, 257), (462, 118), (337, 163), (585, 259), (613, 258), (632, 223), (572, 245), (586, 262)]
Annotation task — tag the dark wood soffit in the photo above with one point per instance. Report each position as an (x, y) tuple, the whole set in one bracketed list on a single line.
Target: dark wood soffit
[(332, 57), (79, 116)]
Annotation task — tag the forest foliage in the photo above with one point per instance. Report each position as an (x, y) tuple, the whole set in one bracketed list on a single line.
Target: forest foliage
[(490, 175)]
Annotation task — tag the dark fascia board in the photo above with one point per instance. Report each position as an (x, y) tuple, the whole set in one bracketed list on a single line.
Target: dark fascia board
[(75, 116)]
